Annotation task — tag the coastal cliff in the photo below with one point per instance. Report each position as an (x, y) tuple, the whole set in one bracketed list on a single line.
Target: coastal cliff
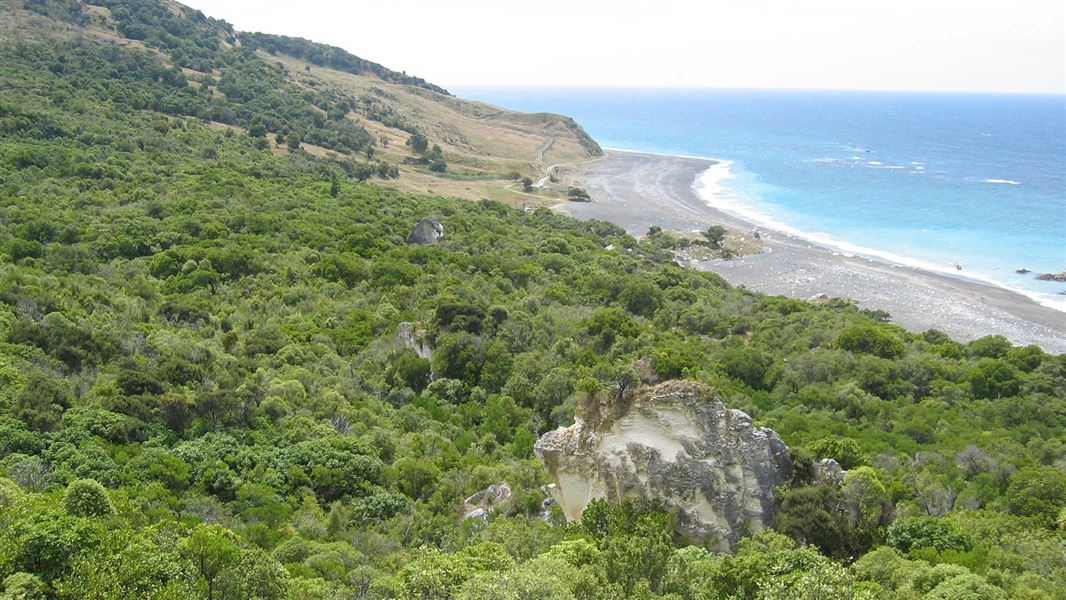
[(675, 443)]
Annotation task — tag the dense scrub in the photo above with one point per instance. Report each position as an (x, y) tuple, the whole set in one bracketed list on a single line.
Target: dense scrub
[(333, 57), (204, 393)]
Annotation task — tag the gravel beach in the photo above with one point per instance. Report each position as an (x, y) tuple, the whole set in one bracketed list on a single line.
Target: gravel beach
[(636, 191)]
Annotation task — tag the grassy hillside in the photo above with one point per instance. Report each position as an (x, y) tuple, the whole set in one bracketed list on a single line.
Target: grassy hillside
[(214, 377), (337, 105)]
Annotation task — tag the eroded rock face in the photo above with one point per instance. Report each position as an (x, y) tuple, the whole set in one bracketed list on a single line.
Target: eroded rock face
[(676, 443)]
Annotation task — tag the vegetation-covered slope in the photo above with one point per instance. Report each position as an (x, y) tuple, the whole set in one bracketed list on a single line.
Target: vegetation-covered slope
[(295, 93), (205, 393)]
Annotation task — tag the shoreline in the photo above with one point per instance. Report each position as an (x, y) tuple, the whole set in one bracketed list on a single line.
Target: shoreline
[(636, 190), (848, 249)]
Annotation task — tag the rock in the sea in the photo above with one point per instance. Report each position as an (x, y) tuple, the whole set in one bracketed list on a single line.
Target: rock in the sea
[(1053, 276), (678, 444), (1022, 270), (428, 231)]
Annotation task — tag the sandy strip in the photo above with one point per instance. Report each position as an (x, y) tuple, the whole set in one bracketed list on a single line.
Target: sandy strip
[(636, 191)]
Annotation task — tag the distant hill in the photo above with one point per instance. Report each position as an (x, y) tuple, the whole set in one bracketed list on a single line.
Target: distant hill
[(331, 56), (297, 93)]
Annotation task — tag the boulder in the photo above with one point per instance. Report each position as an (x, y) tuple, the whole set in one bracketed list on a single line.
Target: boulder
[(485, 502), (828, 471), (675, 443), (428, 231)]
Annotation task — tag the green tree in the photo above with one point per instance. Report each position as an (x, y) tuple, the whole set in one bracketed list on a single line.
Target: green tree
[(418, 142), (845, 451), (87, 498), (870, 339), (913, 533), (213, 550), (993, 378), (966, 587), (292, 140), (1037, 492), (640, 296), (410, 370), (714, 235), (23, 586)]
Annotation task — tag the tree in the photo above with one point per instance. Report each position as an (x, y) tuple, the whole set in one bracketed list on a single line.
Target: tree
[(966, 587), (576, 193), (870, 339), (23, 586), (363, 171), (9, 493), (527, 184), (1037, 492), (256, 576), (865, 500), (409, 370), (714, 235), (914, 533), (533, 580), (993, 378), (292, 140), (459, 356), (418, 142), (87, 498), (212, 550), (812, 515), (640, 296), (845, 451)]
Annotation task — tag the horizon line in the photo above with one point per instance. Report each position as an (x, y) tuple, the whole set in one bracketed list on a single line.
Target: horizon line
[(694, 88)]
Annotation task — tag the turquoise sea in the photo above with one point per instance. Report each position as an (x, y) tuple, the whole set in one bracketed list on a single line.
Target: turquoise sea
[(926, 179)]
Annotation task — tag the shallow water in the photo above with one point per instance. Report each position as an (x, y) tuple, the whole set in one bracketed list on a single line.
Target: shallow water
[(923, 179)]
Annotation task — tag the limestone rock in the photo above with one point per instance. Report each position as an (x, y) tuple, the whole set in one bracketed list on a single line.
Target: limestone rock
[(428, 231), (828, 471), (678, 444), (415, 339), (484, 502)]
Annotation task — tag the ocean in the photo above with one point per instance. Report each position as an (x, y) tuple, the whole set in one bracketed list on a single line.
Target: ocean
[(925, 179)]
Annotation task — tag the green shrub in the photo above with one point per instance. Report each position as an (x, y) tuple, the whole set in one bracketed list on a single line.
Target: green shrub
[(87, 498)]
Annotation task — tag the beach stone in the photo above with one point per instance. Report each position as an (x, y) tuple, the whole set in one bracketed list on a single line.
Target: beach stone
[(675, 443), (428, 231)]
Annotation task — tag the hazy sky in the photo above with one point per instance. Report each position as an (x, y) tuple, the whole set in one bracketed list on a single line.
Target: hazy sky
[(985, 45)]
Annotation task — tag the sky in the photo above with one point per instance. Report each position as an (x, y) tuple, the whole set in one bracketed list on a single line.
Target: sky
[(937, 45)]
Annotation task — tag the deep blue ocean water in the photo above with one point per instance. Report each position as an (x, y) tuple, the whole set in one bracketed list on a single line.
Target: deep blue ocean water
[(918, 178)]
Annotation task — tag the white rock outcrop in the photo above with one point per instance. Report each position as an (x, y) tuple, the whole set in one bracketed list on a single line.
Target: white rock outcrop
[(678, 444)]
